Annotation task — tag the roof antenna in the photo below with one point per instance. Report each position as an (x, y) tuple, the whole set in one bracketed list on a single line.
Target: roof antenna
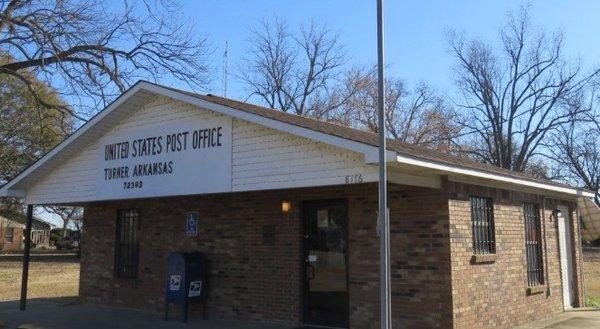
[(224, 78)]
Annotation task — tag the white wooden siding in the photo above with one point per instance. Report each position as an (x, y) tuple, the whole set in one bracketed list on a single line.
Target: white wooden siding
[(265, 158), (262, 158)]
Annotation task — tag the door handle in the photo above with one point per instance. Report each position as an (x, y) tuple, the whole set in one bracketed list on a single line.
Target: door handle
[(311, 272)]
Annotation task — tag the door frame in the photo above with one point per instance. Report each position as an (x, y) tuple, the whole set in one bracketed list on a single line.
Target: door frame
[(304, 256), (566, 241)]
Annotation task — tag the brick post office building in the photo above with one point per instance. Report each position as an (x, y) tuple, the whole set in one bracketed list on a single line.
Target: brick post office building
[(287, 218)]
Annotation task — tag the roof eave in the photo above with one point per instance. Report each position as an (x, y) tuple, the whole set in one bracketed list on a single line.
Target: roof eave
[(456, 169), (369, 151), (8, 193), (6, 190)]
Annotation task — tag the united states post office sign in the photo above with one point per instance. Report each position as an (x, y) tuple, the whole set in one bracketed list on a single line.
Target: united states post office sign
[(178, 158)]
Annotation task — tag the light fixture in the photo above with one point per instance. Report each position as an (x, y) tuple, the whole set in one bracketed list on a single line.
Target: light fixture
[(557, 213), (286, 205)]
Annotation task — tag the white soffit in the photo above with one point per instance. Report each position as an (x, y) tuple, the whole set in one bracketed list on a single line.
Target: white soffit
[(404, 159), (590, 218)]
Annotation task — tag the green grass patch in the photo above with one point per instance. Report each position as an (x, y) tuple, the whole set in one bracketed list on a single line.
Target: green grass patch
[(593, 301)]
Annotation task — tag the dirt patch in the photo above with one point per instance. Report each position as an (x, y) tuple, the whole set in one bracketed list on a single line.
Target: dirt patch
[(49, 277)]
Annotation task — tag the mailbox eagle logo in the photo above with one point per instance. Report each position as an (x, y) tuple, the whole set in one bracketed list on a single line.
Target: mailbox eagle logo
[(175, 282), (195, 288)]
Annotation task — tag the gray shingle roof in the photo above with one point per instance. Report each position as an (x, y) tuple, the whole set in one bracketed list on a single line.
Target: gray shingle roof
[(367, 137)]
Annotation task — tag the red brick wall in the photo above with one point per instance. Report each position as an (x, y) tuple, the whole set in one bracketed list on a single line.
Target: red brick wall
[(591, 271), (17, 239), (591, 263), (493, 295), (430, 289), (420, 258), (252, 281)]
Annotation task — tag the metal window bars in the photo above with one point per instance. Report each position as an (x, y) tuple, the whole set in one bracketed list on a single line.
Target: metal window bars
[(127, 249), (533, 244), (482, 220)]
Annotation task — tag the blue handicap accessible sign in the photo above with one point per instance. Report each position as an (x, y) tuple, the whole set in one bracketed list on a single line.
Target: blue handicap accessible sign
[(192, 224)]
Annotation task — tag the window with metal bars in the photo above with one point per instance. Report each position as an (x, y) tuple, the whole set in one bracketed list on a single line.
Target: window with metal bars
[(533, 244), (127, 248), (10, 234), (482, 222)]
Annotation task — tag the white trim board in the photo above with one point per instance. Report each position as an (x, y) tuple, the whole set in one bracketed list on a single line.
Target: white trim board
[(370, 152), (4, 190), (486, 175)]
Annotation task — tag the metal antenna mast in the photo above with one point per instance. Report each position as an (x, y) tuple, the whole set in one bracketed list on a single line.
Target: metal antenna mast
[(224, 78)]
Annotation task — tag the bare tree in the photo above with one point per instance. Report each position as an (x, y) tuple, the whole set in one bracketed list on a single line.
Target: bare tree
[(418, 117), (514, 97), (66, 214), (91, 51), (294, 72), (78, 223), (575, 147)]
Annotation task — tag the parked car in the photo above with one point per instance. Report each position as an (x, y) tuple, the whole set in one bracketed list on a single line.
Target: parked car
[(68, 243)]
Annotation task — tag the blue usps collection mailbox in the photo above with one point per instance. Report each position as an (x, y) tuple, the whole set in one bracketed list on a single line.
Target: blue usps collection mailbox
[(186, 282)]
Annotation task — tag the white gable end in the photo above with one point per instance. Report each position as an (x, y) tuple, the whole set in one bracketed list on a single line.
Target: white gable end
[(249, 157), (264, 158)]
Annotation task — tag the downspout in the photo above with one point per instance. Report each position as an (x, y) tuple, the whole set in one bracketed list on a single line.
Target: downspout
[(548, 291)]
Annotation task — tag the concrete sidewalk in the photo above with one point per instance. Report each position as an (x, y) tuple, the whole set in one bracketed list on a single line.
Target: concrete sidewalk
[(579, 319), (53, 315)]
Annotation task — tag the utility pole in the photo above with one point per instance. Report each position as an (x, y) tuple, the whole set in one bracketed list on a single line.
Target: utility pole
[(384, 221)]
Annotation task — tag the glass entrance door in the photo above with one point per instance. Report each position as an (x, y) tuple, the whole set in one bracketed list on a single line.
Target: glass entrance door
[(325, 259)]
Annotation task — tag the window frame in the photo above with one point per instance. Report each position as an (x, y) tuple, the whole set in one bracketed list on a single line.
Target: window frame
[(127, 253), (534, 253), (483, 235)]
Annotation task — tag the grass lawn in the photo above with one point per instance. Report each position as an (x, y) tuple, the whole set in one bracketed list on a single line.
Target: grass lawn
[(592, 286), (49, 277)]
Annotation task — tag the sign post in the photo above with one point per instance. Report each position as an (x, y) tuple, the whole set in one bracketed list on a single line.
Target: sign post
[(26, 252), (384, 224)]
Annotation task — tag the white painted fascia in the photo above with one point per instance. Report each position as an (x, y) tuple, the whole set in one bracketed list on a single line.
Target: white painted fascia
[(5, 190), (486, 175), (5, 193), (370, 152), (373, 157)]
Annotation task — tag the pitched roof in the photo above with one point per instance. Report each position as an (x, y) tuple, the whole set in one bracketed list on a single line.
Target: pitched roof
[(335, 134), (365, 137), (20, 218)]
